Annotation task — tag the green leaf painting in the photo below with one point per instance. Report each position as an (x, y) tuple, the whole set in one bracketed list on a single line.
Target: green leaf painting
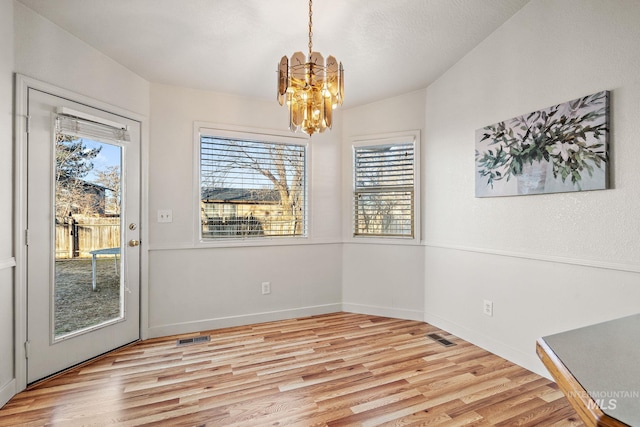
[(561, 148)]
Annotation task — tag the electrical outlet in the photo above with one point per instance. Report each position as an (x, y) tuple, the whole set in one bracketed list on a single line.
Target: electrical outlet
[(165, 215), (487, 307), (266, 288)]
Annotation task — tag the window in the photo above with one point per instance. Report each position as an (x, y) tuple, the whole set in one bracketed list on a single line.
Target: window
[(251, 186), (384, 197)]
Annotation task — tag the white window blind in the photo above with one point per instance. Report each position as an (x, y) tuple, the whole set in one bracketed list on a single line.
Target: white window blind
[(252, 189), (77, 127), (384, 190)]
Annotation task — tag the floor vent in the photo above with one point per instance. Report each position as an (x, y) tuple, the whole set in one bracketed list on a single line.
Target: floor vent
[(445, 342), (194, 340)]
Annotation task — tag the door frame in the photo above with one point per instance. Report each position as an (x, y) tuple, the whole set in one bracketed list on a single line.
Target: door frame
[(22, 85)]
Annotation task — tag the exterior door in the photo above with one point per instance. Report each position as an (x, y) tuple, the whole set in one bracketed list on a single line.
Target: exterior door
[(83, 214)]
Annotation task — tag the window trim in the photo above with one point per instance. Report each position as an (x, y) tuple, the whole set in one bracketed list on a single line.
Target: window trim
[(379, 140), (254, 134)]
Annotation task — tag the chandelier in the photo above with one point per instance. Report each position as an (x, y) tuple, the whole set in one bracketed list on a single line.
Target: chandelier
[(310, 87)]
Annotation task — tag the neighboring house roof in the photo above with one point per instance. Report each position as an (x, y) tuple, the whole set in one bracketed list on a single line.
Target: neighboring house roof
[(239, 195), (88, 184)]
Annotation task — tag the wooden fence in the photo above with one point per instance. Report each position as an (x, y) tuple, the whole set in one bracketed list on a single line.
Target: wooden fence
[(76, 237)]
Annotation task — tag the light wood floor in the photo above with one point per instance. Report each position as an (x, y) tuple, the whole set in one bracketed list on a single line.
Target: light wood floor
[(339, 369)]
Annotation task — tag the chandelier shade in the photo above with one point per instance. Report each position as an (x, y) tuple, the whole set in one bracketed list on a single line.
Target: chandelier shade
[(310, 87)]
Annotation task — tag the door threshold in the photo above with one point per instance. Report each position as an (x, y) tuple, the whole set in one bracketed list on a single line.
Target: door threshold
[(78, 365)]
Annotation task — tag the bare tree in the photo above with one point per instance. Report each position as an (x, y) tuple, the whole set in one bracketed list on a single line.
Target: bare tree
[(73, 163), (109, 178), (285, 172)]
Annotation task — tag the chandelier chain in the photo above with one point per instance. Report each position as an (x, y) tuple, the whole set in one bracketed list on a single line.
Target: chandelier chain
[(310, 27)]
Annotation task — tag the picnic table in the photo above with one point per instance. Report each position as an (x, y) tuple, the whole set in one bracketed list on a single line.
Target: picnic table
[(106, 251)]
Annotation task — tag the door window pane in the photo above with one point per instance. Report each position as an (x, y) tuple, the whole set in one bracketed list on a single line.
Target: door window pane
[(88, 284)]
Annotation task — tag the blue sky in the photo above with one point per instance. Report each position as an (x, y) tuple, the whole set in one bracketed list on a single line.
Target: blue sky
[(110, 155)]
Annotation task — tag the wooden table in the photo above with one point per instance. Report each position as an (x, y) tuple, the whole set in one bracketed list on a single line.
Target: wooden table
[(107, 251), (598, 368)]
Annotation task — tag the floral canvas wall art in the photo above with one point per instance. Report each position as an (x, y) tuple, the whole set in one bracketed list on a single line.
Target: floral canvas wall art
[(558, 149)]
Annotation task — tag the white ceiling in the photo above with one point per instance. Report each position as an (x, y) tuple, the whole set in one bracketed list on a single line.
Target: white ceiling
[(387, 47)]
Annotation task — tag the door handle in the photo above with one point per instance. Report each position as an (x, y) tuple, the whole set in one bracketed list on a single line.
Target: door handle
[(133, 243)]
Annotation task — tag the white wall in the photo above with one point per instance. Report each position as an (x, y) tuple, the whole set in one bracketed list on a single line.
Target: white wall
[(548, 262), (382, 279), (45, 52), (194, 288), (7, 382)]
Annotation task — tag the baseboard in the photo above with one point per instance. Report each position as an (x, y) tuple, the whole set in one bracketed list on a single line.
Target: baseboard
[(247, 319), (396, 313), (527, 361), (7, 391)]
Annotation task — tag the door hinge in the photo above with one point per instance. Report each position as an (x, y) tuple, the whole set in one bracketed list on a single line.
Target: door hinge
[(28, 124), (27, 349), (26, 237)]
